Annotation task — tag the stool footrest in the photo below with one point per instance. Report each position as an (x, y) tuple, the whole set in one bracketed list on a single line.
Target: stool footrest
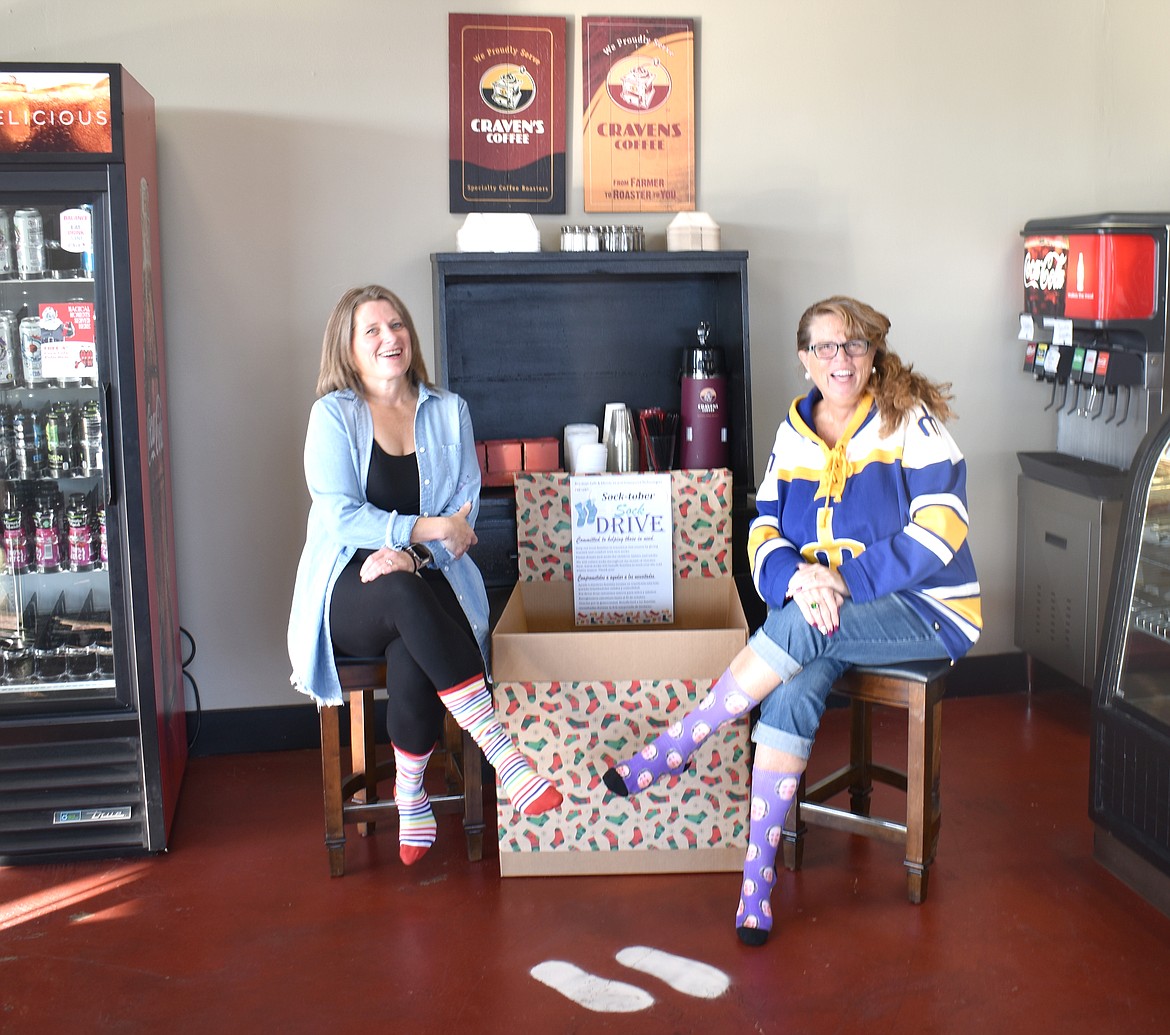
[(868, 826), (352, 798)]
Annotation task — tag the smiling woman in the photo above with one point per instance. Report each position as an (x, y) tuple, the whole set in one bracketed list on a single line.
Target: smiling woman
[(391, 467), (859, 549)]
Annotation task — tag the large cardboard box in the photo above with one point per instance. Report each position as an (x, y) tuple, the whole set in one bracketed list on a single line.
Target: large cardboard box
[(577, 698)]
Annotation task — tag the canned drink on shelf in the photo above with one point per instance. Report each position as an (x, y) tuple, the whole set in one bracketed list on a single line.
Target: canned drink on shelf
[(29, 231), (30, 351), (9, 349), (7, 250)]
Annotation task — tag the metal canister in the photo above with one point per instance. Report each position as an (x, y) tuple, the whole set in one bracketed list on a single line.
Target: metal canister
[(30, 242), (7, 253), (9, 349), (30, 351)]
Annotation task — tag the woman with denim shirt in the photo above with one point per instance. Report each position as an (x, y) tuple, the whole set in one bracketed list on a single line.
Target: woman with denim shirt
[(860, 552), (391, 468)]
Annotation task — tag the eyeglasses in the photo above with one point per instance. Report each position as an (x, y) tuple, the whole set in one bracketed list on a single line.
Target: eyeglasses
[(828, 349)]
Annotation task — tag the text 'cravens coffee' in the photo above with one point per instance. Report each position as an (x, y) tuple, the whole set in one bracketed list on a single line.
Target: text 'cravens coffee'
[(639, 124), (507, 113), (63, 112)]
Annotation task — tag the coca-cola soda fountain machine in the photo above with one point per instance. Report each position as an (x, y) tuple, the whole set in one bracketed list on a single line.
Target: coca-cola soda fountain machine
[(1094, 328)]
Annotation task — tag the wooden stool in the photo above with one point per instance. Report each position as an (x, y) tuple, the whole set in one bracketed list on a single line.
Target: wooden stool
[(353, 797), (917, 687)]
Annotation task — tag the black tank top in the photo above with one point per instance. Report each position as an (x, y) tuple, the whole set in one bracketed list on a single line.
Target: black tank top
[(392, 484), (392, 481)]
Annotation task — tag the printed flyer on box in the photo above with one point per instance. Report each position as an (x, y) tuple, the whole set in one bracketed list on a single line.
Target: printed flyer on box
[(507, 119), (639, 123), (623, 559)]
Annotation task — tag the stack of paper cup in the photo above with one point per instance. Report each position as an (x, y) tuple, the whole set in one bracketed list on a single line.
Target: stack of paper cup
[(591, 457), (577, 435)]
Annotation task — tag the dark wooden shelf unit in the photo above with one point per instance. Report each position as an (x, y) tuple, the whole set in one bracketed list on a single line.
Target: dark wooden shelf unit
[(535, 341)]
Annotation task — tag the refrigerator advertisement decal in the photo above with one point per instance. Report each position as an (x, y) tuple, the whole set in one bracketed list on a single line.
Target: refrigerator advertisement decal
[(55, 112)]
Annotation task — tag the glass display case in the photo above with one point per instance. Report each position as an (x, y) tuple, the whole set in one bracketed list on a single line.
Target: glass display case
[(93, 737), (1130, 779)]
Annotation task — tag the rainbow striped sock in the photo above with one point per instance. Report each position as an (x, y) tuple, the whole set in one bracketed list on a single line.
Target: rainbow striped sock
[(472, 706), (416, 821)]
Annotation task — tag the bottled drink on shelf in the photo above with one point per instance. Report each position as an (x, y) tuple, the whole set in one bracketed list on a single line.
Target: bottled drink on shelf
[(17, 556), (28, 444), (7, 251), (47, 531), (90, 438), (102, 560), (59, 440), (80, 533)]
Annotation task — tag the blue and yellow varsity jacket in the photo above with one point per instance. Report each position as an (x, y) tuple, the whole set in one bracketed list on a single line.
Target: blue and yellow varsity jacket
[(889, 512)]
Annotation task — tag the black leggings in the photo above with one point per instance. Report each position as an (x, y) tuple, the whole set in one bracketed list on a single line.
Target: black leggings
[(418, 625)]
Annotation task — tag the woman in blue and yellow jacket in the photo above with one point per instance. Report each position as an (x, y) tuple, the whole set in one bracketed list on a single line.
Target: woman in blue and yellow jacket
[(860, 551)]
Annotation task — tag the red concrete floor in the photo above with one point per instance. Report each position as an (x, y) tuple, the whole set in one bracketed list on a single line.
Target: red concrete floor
[(239, 928)]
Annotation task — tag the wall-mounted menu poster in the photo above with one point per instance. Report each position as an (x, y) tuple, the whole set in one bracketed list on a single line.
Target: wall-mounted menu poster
[(639, 121), (507, 117)]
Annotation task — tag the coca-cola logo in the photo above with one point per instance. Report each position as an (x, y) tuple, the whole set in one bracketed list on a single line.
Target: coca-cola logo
[(1045, 272)]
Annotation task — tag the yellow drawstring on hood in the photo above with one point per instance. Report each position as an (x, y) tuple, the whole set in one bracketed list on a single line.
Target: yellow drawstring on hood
[(837, 465)]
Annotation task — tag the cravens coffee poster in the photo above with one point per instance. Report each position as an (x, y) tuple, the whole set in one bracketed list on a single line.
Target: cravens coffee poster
[(507, 90), (639, 114)]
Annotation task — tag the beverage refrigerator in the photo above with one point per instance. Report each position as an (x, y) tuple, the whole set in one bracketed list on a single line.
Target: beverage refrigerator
[(93, 738)]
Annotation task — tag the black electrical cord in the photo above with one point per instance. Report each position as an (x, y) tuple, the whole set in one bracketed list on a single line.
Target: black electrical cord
[(194, 688)]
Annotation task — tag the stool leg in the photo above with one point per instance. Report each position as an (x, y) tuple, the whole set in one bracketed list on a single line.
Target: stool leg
[(860, 756), (794, 831), (363, 748), (923, 813), (331, 779), (473, 825)]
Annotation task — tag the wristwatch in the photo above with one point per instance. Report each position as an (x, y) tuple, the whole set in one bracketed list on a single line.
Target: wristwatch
[(421, 555)]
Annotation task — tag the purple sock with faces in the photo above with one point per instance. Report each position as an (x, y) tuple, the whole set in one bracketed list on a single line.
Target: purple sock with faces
[(671, 750), (772, 795)]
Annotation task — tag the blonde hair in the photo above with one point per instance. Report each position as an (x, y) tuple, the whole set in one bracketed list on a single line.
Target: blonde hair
[(895, 386), (337, 366)]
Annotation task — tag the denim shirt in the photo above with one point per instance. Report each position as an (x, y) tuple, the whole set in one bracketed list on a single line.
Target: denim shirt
[(337, 458)]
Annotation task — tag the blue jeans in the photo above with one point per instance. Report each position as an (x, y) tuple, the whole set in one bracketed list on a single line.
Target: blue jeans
[(885, 631)]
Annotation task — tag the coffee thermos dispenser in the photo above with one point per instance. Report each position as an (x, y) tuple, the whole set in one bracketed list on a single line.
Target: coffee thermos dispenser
[(706, 435)]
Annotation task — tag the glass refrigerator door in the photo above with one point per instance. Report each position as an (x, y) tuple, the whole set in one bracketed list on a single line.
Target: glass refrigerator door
[(56, 640), (1143, 676)]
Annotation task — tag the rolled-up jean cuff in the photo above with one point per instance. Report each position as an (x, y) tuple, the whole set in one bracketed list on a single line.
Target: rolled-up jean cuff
[(789, 743), (775, 657)]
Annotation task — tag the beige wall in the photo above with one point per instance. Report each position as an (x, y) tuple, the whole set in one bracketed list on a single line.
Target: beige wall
[(887, 150)]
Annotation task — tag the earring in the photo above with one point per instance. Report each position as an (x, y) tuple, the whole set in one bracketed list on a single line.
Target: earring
[(807, 376)]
